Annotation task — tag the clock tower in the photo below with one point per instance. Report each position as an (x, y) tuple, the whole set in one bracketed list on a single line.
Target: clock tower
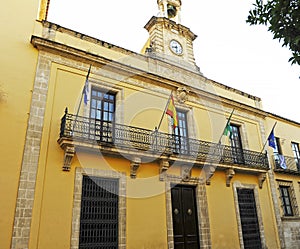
[(168, 39)]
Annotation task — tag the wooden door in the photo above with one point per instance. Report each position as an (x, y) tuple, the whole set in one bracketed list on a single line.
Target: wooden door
[(185, 222)]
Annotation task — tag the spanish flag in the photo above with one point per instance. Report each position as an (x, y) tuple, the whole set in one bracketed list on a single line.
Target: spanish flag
[(171, 111)]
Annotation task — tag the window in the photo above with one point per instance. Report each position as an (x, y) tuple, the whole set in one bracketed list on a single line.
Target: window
[(102, 113), (277, 149), (279, 159), (236, 144), (249, 218), (295, 148), (181, 133), (99, 213), (286, 200)]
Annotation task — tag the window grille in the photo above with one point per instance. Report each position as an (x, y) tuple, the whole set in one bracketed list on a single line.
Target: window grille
[(249, 220), (288, 199), (99, 213)]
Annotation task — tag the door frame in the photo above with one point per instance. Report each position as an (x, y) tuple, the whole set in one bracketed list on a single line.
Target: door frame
[(76, 209), (201, 205)]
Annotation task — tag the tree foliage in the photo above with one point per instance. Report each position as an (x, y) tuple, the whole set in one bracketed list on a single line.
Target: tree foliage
[(283, 19)]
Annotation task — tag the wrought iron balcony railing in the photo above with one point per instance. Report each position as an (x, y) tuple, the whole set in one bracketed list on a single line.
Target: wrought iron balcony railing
[(286, 164), (122, 137)]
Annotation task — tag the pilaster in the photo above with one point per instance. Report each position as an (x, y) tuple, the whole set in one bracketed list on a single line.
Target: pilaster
[(26, 191)]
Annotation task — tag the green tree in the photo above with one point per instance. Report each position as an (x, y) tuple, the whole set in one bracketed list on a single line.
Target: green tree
[(282, 17)]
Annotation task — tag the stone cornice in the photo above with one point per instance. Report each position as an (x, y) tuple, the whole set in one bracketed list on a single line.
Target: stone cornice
[(54, 47), (170, 25), (124, 51)]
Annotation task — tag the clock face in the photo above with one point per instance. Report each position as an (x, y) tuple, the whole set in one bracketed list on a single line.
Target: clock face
[(176, 47)]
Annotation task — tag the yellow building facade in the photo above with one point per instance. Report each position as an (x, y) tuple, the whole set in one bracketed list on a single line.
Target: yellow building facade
[(90, 160)]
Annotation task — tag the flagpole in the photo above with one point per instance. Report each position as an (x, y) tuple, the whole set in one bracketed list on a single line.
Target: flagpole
[(86, 78), (164, 111), (268, 137), (226, 126)]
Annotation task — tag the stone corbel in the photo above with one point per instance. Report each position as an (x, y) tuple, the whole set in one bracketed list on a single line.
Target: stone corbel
[(134, 166), (209, 172), (68, 157), (229, 174), (163, 167), (261, 178)]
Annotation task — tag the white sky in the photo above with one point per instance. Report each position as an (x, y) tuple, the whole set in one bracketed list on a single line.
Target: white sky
[(227, 49)]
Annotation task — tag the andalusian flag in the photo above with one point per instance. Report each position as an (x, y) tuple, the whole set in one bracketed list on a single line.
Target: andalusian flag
[(228, 128), (171, 111)]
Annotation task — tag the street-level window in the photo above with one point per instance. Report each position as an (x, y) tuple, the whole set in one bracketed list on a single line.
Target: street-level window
[(249, 218), (286, 200), (99, 215)]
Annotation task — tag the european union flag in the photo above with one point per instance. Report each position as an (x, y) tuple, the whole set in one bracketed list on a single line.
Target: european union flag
[(271, 140)]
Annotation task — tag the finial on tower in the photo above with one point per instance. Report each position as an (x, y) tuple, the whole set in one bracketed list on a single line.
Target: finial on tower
[(170, 9)]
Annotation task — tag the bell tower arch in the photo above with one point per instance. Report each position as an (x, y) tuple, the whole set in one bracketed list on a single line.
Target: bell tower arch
[(170, 9)]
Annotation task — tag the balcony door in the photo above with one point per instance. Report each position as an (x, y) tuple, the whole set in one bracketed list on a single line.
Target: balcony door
[(236, 145), (296, 152), (181, 133), (102, 114)]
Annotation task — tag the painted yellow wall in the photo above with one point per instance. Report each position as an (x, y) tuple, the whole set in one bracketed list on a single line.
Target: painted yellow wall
[(146, 204), (286, 131), (222, 211), (51, 225), (17, 67)]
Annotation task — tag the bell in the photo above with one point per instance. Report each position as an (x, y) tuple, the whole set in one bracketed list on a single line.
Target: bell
[(171, 11)]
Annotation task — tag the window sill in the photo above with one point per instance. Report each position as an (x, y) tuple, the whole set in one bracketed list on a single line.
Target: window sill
[(290, 218)]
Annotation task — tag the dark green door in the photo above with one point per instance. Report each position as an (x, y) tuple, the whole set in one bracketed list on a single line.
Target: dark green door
[(185, 222)]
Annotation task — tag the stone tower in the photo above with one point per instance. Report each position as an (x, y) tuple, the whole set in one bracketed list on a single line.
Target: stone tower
[(168, 39)]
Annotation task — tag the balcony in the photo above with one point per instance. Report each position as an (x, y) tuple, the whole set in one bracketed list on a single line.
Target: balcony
[(286, 164), (111, 138)]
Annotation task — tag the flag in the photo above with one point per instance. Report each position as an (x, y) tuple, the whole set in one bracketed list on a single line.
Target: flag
[(271, 139), (86, 91), (228, 128), (282, 163), (171, 111)]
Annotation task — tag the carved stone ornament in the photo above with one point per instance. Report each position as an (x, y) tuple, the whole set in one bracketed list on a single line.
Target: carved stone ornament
[(186, 173), (261, 178), (134, 166), (182, 94), (69, 154), (229, 174), (163, 167)]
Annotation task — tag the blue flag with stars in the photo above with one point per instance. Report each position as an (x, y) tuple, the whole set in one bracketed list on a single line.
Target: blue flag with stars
[(271, 140)]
